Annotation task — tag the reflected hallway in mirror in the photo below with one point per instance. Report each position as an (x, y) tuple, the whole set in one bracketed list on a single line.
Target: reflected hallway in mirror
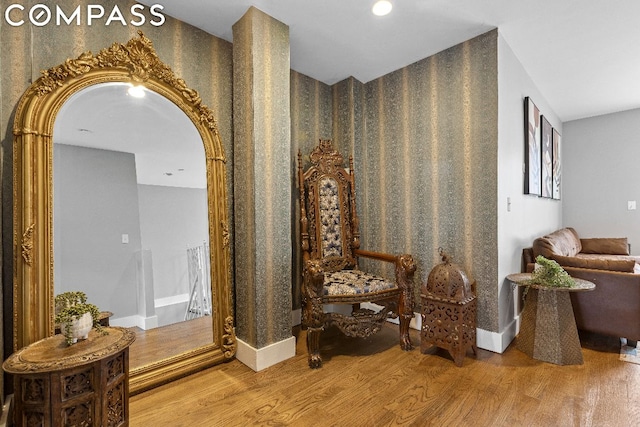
[(130, 183)]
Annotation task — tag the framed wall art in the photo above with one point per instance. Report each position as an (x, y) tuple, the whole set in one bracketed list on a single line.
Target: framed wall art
[(557, 165), (547, 158), (532, 161)]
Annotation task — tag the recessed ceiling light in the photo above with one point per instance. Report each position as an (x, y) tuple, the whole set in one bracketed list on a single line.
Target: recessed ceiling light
[(382, 7), (136, 91)]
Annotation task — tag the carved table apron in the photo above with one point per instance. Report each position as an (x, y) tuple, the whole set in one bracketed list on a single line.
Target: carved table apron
[(85, 384)]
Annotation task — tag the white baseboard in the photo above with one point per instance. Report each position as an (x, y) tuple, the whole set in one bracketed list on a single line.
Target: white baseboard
[(174, 299), (143, 323), (262, 358), (497, 342)]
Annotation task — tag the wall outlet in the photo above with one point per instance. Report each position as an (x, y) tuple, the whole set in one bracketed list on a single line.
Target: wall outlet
[(125, 239)]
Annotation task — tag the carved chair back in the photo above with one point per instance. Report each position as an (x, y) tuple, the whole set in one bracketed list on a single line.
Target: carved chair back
[(329, 224)]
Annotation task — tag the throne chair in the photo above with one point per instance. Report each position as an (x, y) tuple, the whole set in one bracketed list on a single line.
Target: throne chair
[(330, 240)]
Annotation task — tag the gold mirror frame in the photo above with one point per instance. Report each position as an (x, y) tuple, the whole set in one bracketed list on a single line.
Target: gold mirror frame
[(33, 292)]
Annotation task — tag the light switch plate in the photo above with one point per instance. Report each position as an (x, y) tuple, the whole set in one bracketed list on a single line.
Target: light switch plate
[(631, 205)]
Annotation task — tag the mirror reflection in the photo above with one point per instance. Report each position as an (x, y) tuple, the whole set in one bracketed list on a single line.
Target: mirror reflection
[(130, 216)]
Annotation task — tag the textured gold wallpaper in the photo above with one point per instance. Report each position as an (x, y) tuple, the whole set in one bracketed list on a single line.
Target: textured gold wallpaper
[(428, 165), (263, 186), (310, 121), (425, 142)]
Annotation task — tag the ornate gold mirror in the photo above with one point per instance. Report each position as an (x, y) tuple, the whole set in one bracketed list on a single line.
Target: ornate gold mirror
[(134, 63)]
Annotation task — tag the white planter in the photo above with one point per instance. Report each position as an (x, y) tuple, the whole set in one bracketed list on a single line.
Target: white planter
[(79, 327)]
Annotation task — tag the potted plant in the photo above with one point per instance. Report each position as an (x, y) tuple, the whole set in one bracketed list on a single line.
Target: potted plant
[(76, 316), (548, 272)]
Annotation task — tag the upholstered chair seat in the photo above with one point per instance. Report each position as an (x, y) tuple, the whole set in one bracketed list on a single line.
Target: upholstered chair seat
[(355, 282)]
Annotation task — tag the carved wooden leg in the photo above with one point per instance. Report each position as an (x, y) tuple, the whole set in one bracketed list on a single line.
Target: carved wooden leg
[(458, 358), (405, 268), (313, 347), (312, 314), (405, 340)]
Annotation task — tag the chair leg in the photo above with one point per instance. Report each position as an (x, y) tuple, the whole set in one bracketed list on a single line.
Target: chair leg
[(405, 269), (405, 340), (313, 347)]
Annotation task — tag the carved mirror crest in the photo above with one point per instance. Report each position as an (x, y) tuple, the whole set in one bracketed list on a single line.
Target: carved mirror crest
[(135, 63)]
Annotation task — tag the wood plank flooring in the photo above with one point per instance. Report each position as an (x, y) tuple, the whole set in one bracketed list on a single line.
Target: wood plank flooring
[(373, 383), (170, 340)]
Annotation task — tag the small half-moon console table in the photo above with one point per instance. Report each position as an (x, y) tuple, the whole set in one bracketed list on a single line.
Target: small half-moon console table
[(85, 384)]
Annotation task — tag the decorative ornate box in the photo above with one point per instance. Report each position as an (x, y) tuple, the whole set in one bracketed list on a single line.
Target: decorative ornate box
[(449, 307)]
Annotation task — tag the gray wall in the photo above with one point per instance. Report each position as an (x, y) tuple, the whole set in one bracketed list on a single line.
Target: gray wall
[(172, 219), (527, 216), (601, 174), (95, 203)]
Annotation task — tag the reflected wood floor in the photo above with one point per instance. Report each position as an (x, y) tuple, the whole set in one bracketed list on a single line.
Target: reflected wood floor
[(170, 340), (373, 382)]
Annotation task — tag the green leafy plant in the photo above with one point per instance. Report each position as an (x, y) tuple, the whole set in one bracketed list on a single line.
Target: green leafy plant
[(71, 306), (549, 273)]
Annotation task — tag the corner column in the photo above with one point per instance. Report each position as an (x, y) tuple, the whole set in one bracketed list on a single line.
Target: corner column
[(262, 190)]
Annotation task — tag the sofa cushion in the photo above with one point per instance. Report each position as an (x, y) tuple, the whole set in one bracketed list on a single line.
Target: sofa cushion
[(601, 263), (611, 246), (564, 242)]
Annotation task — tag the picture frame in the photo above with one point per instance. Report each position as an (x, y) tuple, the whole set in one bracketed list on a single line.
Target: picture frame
[(557, 164), (546, 158), (532, 152)]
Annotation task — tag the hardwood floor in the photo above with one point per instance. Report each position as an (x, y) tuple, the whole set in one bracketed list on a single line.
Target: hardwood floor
[(166, 341), (374, 383)]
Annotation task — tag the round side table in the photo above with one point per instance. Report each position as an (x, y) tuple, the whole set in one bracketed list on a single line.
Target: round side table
[(548, 329), (86, 383)]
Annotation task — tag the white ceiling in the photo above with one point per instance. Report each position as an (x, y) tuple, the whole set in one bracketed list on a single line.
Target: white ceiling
[(167, 146), (583, 55)]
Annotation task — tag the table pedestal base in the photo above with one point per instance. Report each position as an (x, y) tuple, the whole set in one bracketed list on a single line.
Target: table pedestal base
[(548, 330)]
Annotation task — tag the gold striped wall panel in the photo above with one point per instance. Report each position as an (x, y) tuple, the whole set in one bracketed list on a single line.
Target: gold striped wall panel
[(427, 168), (262, 140), (310, 121)]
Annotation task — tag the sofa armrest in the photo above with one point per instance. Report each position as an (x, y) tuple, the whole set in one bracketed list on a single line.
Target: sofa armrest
[(613, 308), (527, 258)]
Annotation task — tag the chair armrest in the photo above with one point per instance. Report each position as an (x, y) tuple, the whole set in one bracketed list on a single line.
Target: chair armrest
[(405, 267), (377, 255), (405, 264)]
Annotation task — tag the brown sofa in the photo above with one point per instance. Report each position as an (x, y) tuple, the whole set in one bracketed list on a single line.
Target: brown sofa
[(613, 308)]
